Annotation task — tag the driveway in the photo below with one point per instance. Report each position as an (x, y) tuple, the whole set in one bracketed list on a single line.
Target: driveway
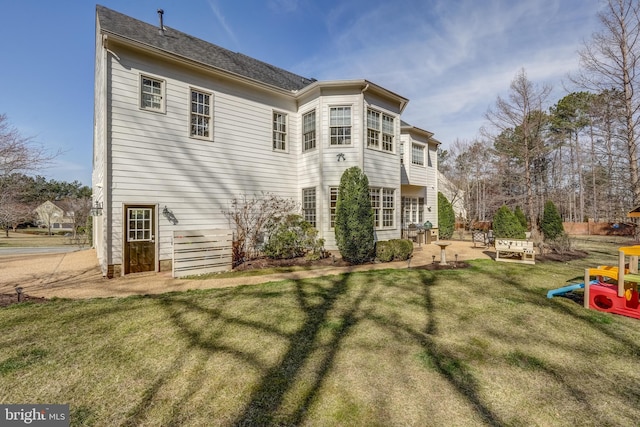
[(76, 274)]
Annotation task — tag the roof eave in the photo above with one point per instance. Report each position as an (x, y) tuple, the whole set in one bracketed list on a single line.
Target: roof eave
[(107, 35)]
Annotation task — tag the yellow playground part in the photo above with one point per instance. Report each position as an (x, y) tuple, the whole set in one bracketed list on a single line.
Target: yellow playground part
[(621, 296)]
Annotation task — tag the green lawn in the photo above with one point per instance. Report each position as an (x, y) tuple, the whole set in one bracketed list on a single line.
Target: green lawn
[(21, 239), (477, 346)]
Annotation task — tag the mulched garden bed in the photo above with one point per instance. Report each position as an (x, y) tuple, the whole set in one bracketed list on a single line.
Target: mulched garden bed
[(9, 299)]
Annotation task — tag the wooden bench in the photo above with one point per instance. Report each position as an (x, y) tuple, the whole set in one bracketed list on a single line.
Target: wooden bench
[(515, 250)]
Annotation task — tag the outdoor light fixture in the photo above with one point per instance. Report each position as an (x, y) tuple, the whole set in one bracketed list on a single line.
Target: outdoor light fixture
[(169, 215), (340, 156), (19, 292), (96, 209)]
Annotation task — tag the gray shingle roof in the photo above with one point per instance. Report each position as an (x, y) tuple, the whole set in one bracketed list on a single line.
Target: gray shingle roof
[(186, 46)]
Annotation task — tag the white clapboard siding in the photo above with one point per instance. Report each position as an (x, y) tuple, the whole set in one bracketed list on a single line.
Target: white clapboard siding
[(201, 251)]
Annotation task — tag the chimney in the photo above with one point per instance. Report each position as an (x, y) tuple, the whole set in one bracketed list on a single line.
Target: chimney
[(161, 30)]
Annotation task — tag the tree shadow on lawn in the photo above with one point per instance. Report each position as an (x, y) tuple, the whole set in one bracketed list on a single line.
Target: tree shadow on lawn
[(322, 303)]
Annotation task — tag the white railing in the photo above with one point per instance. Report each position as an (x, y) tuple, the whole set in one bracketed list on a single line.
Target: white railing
[(202, 251)]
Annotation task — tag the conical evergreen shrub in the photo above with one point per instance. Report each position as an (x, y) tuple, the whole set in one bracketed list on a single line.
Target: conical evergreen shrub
[(506, 225), (551, 222), (446, 217), (354, 217)]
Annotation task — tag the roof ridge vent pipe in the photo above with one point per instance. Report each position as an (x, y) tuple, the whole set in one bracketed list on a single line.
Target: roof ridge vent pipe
[(161, 30)]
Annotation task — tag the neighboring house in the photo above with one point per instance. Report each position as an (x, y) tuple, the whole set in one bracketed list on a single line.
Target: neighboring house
[(51, 215), (183, 126)]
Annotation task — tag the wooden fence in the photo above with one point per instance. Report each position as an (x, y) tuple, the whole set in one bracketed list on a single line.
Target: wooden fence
[(201, 251)]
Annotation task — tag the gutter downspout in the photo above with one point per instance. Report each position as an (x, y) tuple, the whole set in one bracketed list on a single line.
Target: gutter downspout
[(363, 132)]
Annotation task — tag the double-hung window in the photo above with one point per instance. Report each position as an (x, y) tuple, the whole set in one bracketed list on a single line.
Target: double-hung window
[(387, 133), (309, 131), (374, 194), (383, 206), (413, 210), (417, 154), (340, 125), (200, 121), (151, 94), (333, 201), (380, 130), (279, 131), (309, 205), (373, 129)]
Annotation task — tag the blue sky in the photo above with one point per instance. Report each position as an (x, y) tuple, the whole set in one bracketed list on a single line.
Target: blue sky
[(451, 58)]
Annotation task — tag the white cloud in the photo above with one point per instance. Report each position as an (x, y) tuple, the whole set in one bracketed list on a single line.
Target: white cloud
[(213, 4), (452, 59)]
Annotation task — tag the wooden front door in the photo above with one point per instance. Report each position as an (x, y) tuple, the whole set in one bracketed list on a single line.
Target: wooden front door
[(140, 242)]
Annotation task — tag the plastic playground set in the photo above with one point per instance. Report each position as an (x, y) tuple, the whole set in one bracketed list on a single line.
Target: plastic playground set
[(611, 289)]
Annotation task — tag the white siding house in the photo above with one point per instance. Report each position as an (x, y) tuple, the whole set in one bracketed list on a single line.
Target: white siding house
[(182, 127)]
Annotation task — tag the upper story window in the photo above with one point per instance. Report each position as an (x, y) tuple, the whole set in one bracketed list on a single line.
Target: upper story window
[(151, 94), (340, 125), (373, 129), (309, 131), (387, 133), (380, 130), (200, 114), (417, 154), (279, 131)]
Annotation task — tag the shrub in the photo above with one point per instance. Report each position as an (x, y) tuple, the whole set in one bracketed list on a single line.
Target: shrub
[(522, 219), (250, 216), (402, 249), (291, 237), (506, 225), (394, 250), (561, 244), (384, 251), (354, 217), (551, 222), (446, 217)]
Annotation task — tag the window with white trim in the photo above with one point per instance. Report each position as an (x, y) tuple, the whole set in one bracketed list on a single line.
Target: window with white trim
[(373, 129), (333, 201), (151, 94), (417, 154), (200, 118), (309, 131), (374, 195), (383, 206), (413, 210), (380, 130), (309, 205), (279, 131), (139, 227), (340, 125)]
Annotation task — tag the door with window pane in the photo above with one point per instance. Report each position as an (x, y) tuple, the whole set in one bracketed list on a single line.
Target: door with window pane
[(140, 246)]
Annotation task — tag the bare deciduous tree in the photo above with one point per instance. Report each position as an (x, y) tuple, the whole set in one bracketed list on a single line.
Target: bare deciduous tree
[(521, 120), (250, 216), (17, 154), (611, 61)]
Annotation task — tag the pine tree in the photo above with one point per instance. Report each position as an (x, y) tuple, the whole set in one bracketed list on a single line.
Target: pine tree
[(506, 225), (522, 219), (551, 223)]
